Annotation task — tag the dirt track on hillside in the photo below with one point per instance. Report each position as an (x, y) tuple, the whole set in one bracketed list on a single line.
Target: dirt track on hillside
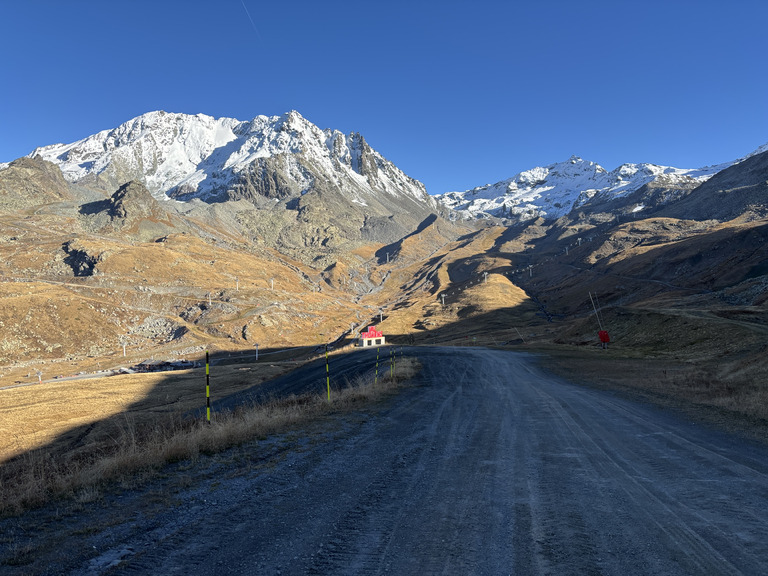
[(484, 465)]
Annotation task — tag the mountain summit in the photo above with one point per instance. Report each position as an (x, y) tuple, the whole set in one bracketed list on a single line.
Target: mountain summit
[(278, 180), (554, 190), (183, 157)]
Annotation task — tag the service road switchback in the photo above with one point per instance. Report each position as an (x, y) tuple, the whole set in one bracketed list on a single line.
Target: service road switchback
[(485, 464)]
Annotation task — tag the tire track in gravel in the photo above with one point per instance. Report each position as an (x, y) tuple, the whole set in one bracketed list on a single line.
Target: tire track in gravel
[(652, 480), (604, 462), (484, 465)]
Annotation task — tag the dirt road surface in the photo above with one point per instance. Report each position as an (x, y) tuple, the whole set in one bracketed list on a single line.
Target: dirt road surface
[(484, 465)]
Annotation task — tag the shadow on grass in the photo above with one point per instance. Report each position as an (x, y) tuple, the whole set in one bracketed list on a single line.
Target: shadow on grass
[(560, 287), (74, 458)]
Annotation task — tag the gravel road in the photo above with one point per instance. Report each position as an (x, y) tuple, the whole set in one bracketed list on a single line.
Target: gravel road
[(485, 465)]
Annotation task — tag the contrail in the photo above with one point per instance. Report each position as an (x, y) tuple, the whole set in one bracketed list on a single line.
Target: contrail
[(251, 19)]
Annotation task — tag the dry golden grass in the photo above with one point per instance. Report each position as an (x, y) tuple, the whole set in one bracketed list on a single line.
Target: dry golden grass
[(708, 356), (33, 416), (412, 294), (732, 393), (154, 432), (494, 293), (223, 296)]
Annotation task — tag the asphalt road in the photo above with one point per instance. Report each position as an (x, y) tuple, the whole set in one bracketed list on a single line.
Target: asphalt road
[(486, 465)]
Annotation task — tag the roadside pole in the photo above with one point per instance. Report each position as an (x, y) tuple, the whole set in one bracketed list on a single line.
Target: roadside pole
[(376, 380), (207, 387), (327, 374)]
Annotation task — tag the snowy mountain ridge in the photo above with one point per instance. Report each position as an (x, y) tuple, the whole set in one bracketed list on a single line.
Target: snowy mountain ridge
[(184, 156), (554, 190)]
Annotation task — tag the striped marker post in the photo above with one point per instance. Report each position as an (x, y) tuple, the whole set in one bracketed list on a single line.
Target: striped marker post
[(327, 374), (207, 388), (376, 381)]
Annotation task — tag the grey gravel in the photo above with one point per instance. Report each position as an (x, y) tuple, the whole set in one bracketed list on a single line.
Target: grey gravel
[(484, 464)]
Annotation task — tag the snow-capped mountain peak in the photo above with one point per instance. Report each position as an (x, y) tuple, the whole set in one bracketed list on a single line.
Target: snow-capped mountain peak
[(548, 190), (554, 190), (760, 150), (185, 156)]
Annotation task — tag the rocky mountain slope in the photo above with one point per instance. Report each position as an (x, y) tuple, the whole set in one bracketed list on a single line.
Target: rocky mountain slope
[(557, 189), (29, 182), (173, 232), (183, 156), (282, 181), (176, 232), (739, 190)]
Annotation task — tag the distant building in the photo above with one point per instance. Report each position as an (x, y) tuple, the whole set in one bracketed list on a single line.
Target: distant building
[(163, 365), (371, 338), (151, 366)]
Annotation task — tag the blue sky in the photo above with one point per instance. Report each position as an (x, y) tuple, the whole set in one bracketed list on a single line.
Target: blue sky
[(456, 94)]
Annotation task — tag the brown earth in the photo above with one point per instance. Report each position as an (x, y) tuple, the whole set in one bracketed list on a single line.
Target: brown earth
[(175, 297), (683, 300)]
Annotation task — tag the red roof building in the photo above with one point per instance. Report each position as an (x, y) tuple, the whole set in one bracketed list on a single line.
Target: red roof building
[(371, 338)]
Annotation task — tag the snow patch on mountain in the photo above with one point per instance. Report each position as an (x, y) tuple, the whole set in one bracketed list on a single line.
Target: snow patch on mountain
[(185, 156), (760, 150), (554, 190)]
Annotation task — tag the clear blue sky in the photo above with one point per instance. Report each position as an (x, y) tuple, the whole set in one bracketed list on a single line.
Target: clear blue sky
[(457, 94)]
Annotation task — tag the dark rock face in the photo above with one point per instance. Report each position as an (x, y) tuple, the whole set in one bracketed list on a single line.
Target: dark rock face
[(739, 189), (82, 263), (132, 201), (264, 178), (365, 162), (31, 182)]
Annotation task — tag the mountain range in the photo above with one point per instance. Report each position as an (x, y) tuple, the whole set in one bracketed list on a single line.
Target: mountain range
[(555, 190), (175, 231), (173, 240), (276, 160), (280, 180), (181, 156)]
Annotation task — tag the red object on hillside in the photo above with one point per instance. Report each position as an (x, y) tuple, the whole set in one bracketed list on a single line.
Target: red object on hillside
[(372, 333), (603, 335)]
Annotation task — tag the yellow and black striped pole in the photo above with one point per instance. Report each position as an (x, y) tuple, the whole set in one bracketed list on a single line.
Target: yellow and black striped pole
[(207, 388), (327, 374)]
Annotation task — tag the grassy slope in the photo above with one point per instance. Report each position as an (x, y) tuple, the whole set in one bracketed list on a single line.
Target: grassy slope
[(677, 333)]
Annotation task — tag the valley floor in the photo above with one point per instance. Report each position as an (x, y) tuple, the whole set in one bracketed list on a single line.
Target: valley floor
[(484, 464)]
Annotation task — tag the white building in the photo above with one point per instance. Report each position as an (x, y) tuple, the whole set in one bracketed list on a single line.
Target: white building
[(371, 338)]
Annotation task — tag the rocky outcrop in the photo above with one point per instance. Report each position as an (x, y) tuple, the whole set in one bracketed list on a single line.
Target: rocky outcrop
[(132, 202), (29, 182), (131, 212), (265, 178), (79, 259)]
